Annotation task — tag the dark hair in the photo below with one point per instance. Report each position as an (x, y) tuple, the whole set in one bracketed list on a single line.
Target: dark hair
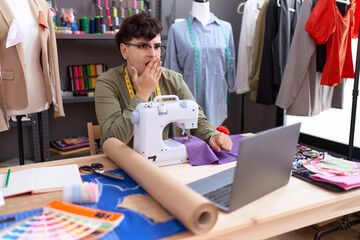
[(139, 25)]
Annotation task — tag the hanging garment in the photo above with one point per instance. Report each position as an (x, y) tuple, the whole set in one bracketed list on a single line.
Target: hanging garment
[(258, 50), (300, 92), (276, 47), (321, 49), (210, 88), (246, 44), (13, 64), (355, 32), (327, 25)]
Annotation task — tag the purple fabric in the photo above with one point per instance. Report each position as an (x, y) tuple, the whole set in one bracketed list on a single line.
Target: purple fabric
[(200, 153)]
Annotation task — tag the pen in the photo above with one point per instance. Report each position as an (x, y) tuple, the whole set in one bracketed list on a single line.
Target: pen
[(7, 178)]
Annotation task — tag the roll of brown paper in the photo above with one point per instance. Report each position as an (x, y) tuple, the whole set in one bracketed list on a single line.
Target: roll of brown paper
[(194, 211)]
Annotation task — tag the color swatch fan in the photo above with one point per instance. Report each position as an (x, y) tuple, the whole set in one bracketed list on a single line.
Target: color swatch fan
[(61, 220)]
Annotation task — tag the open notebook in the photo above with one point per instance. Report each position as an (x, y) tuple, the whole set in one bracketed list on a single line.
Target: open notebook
[(39, 180)]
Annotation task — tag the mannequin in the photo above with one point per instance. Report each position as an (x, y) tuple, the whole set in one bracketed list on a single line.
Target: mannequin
[(35, 80), (30, 71), (201, 10), (202, 49)]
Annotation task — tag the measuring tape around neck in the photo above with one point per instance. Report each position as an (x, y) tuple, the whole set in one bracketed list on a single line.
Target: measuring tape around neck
[(228, 56), (130, 88)]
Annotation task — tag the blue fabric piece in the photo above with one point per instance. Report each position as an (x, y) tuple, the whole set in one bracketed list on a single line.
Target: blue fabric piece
[(211, 45), (135, 225)]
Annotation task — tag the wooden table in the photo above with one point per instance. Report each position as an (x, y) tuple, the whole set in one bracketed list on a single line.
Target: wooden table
[(291, 207)]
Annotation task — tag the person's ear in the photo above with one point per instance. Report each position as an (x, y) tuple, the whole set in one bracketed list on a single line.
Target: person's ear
[(124, 51)]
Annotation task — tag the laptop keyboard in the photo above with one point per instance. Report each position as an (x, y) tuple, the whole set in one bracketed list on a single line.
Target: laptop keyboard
[(220, 196)]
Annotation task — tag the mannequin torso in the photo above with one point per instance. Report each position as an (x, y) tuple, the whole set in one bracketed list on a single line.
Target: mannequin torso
[(37, 99), (201, 10)]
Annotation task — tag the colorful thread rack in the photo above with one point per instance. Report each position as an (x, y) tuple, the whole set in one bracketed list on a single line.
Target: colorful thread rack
[(83, 77)]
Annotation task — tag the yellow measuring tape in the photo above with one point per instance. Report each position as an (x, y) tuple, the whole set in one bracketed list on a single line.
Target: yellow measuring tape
[(131, 90)]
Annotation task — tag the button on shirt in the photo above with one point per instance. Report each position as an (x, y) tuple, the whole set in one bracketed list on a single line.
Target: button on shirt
[(212, 92)]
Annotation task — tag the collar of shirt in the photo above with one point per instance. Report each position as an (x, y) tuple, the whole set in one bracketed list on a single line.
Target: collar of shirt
[(213, 18)]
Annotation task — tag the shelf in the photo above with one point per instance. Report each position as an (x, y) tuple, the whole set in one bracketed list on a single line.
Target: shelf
[(54, 156), (85, 36), (77, 99), (91, 36)]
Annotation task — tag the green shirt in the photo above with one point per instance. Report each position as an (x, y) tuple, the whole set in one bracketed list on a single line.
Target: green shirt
[(113, 104)]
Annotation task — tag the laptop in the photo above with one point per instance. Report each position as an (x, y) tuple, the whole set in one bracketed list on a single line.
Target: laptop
[(263, 165)]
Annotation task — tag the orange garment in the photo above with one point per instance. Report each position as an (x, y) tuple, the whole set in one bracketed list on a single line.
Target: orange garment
[(327, 25)]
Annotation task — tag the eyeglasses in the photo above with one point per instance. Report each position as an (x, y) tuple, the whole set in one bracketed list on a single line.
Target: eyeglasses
[(146, 47)]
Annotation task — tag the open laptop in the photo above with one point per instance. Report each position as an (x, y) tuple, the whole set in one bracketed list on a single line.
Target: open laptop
[(263, 165)]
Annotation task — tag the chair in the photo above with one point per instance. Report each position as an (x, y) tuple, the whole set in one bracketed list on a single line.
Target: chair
[(93, 134)]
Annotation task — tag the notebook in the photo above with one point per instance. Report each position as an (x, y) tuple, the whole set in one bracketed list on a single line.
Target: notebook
[(263, 165), (40, 180)]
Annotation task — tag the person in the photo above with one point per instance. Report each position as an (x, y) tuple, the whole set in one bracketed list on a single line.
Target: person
[(139, 42), (29, 70)]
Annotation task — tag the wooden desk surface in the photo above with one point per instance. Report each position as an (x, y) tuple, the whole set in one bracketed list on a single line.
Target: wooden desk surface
[(291, 207)]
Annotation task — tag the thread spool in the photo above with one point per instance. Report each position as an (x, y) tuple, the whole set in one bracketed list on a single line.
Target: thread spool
[(87, 192), (117, 23), (84, 24), (115, 12), (122, 12), (109, 20), (97, 25), (92, 25)]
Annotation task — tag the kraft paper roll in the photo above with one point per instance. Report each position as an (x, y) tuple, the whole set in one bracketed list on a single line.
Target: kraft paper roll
[(194, 211)]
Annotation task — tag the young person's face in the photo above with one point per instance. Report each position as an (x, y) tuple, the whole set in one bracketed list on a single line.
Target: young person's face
[(138, 52)]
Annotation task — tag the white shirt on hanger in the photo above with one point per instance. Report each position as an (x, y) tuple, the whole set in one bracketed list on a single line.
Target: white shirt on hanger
[(246, 44)]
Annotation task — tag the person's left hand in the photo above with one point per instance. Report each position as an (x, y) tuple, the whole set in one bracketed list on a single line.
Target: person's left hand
[(221, 141)]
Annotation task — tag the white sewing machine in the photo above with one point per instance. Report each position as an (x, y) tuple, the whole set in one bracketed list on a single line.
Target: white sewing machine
[(149, 121)]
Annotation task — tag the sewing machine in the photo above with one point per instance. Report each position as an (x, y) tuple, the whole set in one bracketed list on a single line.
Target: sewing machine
[(149, 121)]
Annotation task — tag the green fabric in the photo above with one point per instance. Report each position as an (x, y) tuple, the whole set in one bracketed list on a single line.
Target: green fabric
[(338, 164), (113, 105)]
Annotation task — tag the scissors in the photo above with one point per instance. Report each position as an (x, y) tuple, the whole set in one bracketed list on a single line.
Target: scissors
[(98, 168)]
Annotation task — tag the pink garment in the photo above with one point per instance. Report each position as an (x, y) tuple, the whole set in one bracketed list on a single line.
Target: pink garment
[(346, 182)]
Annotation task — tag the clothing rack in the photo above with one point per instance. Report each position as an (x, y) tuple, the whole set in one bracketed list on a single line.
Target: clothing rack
[(354, 102)]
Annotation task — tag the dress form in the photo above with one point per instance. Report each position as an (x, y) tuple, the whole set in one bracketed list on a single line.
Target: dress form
[(36, 90), (201, 10), (34, 77)]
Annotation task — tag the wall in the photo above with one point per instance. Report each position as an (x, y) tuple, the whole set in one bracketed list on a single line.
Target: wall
[(256, 117)]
